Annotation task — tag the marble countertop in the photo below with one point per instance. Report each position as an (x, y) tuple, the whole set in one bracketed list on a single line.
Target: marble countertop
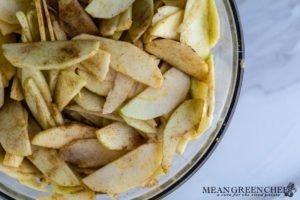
[(262, 144)]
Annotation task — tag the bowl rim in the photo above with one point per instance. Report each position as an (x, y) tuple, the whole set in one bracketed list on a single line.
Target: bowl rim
[(236, 93), (235, 97)]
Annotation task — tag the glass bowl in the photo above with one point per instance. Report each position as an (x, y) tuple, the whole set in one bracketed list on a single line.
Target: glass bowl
[(229, 63)]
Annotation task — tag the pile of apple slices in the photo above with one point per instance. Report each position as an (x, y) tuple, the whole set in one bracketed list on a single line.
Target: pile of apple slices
[(99, 96)]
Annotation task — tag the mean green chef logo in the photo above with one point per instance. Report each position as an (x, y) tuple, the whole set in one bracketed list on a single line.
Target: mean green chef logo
[(252, 191)]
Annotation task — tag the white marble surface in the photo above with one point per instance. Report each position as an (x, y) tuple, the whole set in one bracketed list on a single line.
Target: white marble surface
[(262, 145)]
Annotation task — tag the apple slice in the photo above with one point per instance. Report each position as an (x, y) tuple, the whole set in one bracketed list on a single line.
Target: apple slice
[(101, 88), (179, 55), (148, 127), (142, 13), (80, 195), (109, 26), (57, 137), (40, 81), (168, 27), (214, 23), (87, 153), (13, 128), (16, 91), (80, 110), (127, 58), (36, 55), (6, 29), (118, 94), (98, 65), (73, 18), (11, 160), (118, 136), (125, 20), (37, 104), (195, 28), (8, 9), (2, 92), (6, 69), (128, 172), (68, 86), (208, 96), (89, 101), (179, 3), (163, 12), (107, 9), (186, 117), (152, 103), (53, 167)]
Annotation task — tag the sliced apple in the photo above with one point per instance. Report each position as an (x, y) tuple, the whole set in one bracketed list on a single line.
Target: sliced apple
[(118, 94), (26, 167), (56, 114), (48, 20), (93, 119), (16, 92), (68, 86), (211, 87), (8, 10), (86, 195), (33, 127), (152, 103), (98, 65), (89, 101), (33, 25), (25, 25), (142, 13), (6, 29), (11, 160), (13, 128), (125, 20), (199, 89), (40, 81), (58, 31), (146, 126), (179, 55), (136, 89), (127, 58), (52, 77), (117, 35), (163, 12), (6, 69), (179, 3), (130, 171), (186, 117), (109, 26), (214, 23), (53, 167), (93, 84), (37, 105), (168, 27), (195, 28), (184, 140), (57, 137), (66, 190), (74, 20), (36, 55), (87, 153), (77, 108), (40, 19), (107, 9), (2, 92), (118, 136)]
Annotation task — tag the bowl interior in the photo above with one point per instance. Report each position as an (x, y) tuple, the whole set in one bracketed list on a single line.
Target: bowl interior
[(228, 76)]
